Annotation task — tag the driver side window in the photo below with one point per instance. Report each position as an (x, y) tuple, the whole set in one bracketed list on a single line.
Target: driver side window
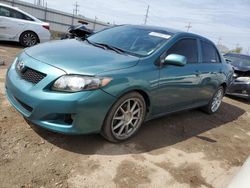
[(187, 48)]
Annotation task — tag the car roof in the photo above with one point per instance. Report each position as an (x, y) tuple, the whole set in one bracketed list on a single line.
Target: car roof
[(243, 56), (17, 9), (9, 6), (168, 30)]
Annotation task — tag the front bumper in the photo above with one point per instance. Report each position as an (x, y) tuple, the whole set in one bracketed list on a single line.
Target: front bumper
[(239, 89), (84, 111)]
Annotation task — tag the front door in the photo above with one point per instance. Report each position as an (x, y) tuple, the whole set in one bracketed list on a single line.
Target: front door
[(179, 85)]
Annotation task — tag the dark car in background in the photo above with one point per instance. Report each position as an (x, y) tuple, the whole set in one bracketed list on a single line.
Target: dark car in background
[(241, 83), (78, 31)]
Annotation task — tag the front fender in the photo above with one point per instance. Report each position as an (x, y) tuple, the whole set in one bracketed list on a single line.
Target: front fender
[(144, 78)]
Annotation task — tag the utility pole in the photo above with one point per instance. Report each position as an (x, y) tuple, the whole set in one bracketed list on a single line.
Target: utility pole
[(95, 23), (188, 26), (39, 2), (46, 10), (237, 45), (146, 16), (219, 41), (76, 10)]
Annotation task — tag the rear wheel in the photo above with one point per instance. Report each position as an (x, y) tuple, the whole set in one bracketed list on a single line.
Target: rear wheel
[(28, 39), (125, 117), (214, 104)]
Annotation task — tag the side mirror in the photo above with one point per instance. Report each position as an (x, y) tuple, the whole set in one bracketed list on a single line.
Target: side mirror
[(228, 60), (175, 59)]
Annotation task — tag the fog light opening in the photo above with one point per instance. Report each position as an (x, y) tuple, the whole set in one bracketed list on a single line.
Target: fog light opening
[(68, 119)]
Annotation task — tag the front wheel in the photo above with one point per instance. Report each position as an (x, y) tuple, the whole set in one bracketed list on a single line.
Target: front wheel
[(125, 117), (214, 104)]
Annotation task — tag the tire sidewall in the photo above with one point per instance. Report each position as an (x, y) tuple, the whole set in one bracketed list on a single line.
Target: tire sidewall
[(106, 128)]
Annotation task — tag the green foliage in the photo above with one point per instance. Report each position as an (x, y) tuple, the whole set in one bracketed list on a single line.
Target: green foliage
[(237, 50)]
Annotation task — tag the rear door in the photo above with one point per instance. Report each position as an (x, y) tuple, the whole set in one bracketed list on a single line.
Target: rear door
[(12, 23), (210, 69), (179, 85)]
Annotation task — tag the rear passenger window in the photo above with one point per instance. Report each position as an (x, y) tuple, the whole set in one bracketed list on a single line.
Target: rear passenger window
[(4, 12), (187, 48), (209, 53), (13, 14)]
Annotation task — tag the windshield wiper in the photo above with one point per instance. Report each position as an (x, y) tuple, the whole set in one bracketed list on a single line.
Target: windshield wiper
[(106, 46), (118, 50), (95, 44)]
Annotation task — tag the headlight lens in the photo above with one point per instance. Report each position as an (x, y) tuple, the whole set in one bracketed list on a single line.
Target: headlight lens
[(74, 83), (243, 79), (235, 75)]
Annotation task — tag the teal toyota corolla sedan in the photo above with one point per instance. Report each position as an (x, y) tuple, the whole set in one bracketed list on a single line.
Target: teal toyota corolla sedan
[(116, 79)]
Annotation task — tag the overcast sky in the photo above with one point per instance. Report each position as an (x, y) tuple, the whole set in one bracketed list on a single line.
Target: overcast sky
[(225, 19)]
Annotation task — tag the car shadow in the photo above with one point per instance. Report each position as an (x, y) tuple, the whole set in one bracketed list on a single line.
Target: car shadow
[(154, 134), (247, 101), (11, 44)]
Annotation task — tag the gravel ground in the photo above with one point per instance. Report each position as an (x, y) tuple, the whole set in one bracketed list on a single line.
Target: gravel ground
[(187, 149)]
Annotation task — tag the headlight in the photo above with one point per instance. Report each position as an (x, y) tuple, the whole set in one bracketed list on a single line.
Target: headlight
[(243, 79), (74, 83), (235, 75)]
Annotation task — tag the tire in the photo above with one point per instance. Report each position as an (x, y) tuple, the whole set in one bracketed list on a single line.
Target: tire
[(28, 38), (124, 118), (215, 102)]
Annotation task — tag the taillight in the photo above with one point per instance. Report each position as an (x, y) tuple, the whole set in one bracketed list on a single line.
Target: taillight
[(46, 26)]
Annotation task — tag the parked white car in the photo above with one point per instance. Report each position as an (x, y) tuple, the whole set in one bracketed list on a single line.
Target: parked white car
[(17, 25)]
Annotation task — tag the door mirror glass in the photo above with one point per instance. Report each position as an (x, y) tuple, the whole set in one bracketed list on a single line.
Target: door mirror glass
[(175, 59)]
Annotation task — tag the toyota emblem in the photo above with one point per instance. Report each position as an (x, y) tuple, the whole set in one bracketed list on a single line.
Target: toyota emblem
[(20, 66)]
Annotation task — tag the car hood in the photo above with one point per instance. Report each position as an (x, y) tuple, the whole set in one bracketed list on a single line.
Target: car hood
[(240, 66), (78, 57)]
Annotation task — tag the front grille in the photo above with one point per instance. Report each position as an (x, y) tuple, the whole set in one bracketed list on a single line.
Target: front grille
[(242, 73), (31, 75)]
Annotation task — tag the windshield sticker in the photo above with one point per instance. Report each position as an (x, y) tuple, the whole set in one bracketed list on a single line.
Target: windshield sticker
[(165, 36)]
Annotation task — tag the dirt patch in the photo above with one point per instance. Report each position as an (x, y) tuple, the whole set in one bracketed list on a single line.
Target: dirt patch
[(129, 174), (189, 173)]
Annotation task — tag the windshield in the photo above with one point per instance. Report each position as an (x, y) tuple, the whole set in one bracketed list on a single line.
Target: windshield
[(133, 40), (238, 59)]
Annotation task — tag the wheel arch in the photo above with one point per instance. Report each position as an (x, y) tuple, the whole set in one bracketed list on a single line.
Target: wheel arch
[(143, 93), (224, 85)]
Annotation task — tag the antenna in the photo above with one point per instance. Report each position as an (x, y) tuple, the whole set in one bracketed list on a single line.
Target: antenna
[(146, 16), (188, 26)]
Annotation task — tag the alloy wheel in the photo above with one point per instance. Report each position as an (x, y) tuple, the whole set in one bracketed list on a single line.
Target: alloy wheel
[(127, 118), (217, 100), (29, 39)]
